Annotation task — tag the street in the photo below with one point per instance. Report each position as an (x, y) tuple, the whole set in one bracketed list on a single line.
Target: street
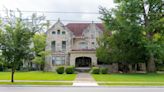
[(80, 89)]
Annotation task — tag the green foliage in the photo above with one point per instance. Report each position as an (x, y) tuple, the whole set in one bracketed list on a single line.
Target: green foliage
[(95, 70), (16, 38), (39, 41), (103, 51), (104, 70), (136, 30), (69, 70), (60, 69), (40, 59)]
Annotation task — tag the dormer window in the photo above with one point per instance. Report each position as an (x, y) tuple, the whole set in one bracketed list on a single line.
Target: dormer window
[(58, 31), (53, 32), (63, 33)]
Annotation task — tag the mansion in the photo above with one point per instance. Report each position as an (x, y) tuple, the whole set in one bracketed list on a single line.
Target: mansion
[(72, 44)]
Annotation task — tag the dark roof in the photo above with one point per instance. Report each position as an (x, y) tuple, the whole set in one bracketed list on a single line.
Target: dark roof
[(78, 28)]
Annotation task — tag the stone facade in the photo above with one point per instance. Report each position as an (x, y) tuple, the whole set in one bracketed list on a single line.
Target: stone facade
[(72, 44)]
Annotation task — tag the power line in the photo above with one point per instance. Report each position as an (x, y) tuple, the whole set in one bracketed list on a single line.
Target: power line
[(57, 20), (63, 12), (68, 12)]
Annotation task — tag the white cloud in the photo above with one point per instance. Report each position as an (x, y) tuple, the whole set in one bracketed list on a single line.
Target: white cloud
[(60, 5)]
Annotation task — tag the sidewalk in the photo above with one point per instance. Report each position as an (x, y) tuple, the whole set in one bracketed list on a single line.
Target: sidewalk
[(33, 81), (84, 79)]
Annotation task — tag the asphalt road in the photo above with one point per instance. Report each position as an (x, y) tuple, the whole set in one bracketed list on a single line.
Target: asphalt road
[(81, 89)]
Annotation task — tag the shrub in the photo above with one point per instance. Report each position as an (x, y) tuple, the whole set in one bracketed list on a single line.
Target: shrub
[(60, 69), (69, 70), (104, 70), (95, 70)]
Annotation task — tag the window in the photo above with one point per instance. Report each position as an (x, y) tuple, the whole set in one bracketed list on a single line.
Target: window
[(53, 32), (53, 60), (53, 45), (59, 60), (58, 31), (92, 36), (63, 33), (93, 45), (83, 45), (63, 45)]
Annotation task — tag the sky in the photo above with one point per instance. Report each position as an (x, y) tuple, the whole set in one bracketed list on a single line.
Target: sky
[(59, 6)]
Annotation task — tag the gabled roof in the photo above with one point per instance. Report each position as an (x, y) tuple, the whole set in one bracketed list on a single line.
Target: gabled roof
[(78, 28)]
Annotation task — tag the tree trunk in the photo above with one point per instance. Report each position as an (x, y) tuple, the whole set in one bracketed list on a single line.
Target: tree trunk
[(12, 74), (151, 64)]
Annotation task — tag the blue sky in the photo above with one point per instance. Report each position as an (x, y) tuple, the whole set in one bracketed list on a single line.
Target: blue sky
[(61, 6)]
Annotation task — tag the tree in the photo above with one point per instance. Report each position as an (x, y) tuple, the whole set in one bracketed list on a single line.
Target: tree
[(153, 25), (40, 59), (39, 49), (134, 23), (102, 52), (39, 41), (16, 38)]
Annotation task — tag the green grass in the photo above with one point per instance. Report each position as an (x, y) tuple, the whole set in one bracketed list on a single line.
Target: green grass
[(129, 77), (37, 76), (131, 84), (36, 83)]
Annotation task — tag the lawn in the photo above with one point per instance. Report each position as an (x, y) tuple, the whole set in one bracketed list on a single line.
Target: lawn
[(38, 76), (129, 77)]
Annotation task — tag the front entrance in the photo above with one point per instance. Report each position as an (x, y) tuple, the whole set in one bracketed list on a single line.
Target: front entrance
[(83, 62)]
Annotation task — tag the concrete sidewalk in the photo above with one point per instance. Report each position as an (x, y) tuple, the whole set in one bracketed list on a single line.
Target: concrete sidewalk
[(84, 79), (34, 81)]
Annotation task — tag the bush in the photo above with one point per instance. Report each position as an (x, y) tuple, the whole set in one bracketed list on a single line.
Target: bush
[(60, 69), (95, 70), (104, 70), (69, 70)]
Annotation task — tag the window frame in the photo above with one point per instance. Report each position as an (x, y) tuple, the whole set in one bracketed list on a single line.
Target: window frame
[(64, 45), (63, 32), (53, 32), (58, 32), (53, 47)]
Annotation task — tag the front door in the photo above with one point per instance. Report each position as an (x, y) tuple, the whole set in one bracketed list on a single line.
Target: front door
[(83, 62)]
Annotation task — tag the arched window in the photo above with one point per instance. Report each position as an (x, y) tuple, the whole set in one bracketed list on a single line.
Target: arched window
[(58, 31)]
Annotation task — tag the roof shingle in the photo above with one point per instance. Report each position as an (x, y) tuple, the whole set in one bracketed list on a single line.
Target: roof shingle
[(78, 28)]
